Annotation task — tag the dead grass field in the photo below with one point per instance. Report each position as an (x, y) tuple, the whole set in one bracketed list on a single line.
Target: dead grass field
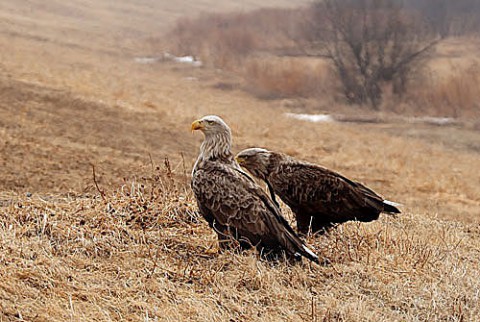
[(270, 51), (141, 252)]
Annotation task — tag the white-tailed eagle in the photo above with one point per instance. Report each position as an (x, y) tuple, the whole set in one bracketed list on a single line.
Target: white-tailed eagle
[(320, 198), (232, 203)]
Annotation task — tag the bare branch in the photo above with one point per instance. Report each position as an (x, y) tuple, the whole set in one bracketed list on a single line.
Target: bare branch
[(371, 42)]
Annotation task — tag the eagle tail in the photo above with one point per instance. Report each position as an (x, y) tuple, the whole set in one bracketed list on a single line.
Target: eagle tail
[(309, 254), (391, 207), (300, 247)]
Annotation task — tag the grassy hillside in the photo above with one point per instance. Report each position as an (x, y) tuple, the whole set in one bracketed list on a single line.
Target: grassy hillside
[(135, 248), (143, 253)]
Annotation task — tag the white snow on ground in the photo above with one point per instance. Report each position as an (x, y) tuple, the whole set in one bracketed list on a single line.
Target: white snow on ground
[(188, 60), (434, 120), (311, 117), (183, 59), (168, 57), (316, 118)]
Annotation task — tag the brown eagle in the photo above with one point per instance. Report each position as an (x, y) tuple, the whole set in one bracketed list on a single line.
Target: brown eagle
[(233, 204), (319, 197)]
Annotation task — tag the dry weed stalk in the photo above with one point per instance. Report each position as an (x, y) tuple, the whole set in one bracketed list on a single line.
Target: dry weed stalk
[(143, 251)]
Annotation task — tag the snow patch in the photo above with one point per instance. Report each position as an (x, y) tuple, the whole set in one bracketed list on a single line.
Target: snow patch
[(434, 120), (191, 60), (145, 60), (315, 118), (318, 118)]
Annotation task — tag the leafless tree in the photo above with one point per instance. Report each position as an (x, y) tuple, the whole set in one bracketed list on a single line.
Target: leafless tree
[(371, 43)]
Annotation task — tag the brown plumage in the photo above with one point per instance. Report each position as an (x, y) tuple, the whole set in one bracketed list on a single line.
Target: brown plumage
[(319, 197), (232, 203)]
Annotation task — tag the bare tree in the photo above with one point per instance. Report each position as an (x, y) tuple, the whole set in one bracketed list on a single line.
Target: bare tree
[(371, 43)]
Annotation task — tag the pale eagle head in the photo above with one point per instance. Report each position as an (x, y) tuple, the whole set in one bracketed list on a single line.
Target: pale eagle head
[(211, 125), (218, 137)]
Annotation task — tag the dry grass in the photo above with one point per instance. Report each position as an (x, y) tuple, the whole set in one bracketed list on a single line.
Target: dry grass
[(224, 40), (247, 44), (142, 252), (253, 45), (454, 94), (273, 78)]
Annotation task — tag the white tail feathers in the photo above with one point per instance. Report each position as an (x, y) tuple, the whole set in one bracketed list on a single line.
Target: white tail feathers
[(309, 252), (393, 204)]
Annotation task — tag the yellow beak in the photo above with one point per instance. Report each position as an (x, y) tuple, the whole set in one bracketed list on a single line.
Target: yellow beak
[(197, 125), (239, 160)]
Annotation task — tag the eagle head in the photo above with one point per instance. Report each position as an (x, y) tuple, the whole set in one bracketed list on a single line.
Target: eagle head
[(211, 124), (218, 138), (256, 161)]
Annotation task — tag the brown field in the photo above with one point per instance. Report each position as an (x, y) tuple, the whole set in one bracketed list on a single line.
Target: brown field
[(72, 96), (270, 51)]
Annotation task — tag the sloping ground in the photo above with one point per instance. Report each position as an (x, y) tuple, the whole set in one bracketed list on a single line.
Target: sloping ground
[(51, 139), (108, 25), (143, 254), (142, 251)]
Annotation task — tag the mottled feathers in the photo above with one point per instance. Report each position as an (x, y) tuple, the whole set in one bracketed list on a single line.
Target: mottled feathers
[(319, 197), (232, 203)]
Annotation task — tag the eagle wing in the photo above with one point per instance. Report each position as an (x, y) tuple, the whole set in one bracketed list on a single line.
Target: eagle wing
[(309, 188), (231, 202)]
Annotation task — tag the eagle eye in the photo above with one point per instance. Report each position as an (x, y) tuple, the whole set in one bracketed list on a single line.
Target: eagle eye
[(210, 122)]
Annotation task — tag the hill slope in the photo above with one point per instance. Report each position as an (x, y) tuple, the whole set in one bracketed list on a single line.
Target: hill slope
[(71, 95)]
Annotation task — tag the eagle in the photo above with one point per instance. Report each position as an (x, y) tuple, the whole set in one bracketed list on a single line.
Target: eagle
[(233, 204), (320, 198)]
